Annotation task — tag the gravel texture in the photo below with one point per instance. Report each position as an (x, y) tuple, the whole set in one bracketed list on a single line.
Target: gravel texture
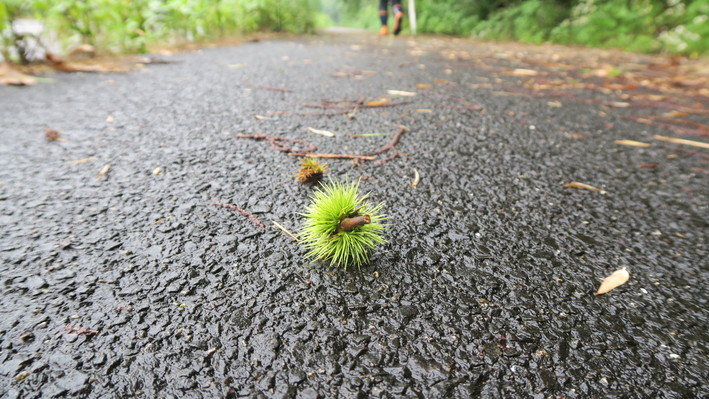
[(134, 285)]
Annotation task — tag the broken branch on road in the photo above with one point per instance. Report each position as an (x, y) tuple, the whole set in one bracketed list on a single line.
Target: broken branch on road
[(391, 146), (332, 156), (80, 330)]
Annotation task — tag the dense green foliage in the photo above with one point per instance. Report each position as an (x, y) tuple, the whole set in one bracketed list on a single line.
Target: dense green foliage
[(130, 25), (677, 26)]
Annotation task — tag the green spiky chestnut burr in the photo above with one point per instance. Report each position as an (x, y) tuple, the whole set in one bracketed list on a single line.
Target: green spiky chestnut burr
[(341, 227)]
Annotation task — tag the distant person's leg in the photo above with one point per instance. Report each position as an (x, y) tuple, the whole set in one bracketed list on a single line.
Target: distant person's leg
[(384, 30), (398, 15)]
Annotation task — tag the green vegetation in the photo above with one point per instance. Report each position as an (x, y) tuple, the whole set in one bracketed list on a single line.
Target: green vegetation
[(675, 26), (132, 25), (341, 227)]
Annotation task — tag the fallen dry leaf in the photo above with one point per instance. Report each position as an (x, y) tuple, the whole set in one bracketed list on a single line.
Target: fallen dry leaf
[(103, 172), (554, 104), (90, 66), (53, 134), (424, 110), (616, 279), (401, 93), (263, 118), (577, 136), (424, 86), (619, 104), (576, 184), (524, 72), (417, 179), (78, 161), (683, 141), (632, 143), (379, 103), (21, 377), (675, 114), (82, 51), (322, 132), (161, 220), (445, 81), (9, 76)]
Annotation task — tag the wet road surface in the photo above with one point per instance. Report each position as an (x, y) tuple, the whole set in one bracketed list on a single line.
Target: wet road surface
[(134, 285)]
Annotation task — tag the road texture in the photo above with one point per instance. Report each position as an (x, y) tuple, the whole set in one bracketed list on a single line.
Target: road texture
[(119, 278)]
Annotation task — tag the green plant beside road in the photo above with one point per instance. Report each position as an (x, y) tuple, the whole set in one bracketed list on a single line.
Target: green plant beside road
[(132, 25), (674, 26)]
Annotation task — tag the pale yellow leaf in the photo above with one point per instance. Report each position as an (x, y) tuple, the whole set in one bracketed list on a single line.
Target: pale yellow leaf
[(78, 161), (401, 93), (683, 141), (524, 72), (577, 136), (675, 114), (632, 143), (103, 172), (9, 76), (554, 104), (322, 132), (445, 81), (616, 279), (379, 103), (619, 104)]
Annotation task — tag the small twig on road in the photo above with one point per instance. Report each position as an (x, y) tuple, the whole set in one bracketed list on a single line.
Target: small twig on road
[(325, 106), (332, 156), (676, 140), (348, 112), (244, 212), (390, 146), (386, 105), (80, 330), (276, 142), (326, 113), (279, 89)]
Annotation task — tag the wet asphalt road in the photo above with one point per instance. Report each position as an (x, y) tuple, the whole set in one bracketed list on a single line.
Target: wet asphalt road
[(133, 285)]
